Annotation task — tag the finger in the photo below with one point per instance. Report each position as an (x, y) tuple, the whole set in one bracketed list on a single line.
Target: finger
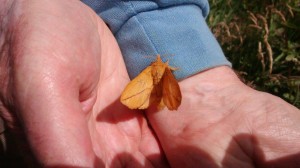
[(54, 115)]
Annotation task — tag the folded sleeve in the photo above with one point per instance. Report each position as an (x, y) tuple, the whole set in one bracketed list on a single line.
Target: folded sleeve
[(173, 28)]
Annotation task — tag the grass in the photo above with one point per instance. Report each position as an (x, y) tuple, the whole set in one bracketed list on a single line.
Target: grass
[(262, 40)]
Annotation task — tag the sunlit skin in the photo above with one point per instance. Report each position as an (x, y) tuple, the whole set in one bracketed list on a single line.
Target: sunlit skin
[(62, 74)]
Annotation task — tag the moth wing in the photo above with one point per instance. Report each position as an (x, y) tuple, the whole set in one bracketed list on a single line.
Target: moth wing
[(171, 91), (136, 94)]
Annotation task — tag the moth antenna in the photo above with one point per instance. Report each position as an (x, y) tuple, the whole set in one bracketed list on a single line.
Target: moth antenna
[(152, 57), (166, 55), (173, 68)]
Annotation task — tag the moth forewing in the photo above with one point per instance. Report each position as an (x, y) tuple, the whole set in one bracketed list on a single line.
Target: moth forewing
[(136, 94)]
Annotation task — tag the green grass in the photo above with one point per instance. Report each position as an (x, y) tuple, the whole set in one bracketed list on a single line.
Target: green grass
[(262, 40)]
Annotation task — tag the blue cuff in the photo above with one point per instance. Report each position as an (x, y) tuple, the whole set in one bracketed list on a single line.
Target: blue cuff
[(151, 28)]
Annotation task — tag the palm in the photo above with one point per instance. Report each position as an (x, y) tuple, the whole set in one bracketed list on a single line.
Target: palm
[(120, 137), (213, 128), (75, 75)]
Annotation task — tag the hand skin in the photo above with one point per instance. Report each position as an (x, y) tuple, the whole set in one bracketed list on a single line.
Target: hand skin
[(62, 73), (63, 80), (224, 123)]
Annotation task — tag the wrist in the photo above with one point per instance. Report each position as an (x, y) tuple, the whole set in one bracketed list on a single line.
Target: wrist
[(212, 79), (206, 98)]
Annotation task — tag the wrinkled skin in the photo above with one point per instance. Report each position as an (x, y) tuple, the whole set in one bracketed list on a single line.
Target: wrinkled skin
[(61, 75)]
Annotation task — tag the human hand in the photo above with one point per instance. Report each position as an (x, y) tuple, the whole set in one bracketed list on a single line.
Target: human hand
[(224, 123), (61, 77), (78, 120)]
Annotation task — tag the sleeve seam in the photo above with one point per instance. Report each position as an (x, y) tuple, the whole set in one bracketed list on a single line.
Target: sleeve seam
[(135, 13)]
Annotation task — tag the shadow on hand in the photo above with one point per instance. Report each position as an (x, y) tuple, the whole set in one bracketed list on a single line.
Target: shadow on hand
[(16, 152), (122, 160), (237, 155), (246, 145), (243, 150), (117, 112)]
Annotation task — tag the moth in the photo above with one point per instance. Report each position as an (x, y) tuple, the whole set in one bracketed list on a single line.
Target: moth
[(154, 85)]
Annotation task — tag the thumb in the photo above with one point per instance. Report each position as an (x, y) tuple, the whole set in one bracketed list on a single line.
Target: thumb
[(54, 119)]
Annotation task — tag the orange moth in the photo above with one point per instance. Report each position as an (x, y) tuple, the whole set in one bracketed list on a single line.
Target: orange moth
[(154, 85)]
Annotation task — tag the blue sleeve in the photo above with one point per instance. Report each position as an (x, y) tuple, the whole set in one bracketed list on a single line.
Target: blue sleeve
[(168, 27)]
